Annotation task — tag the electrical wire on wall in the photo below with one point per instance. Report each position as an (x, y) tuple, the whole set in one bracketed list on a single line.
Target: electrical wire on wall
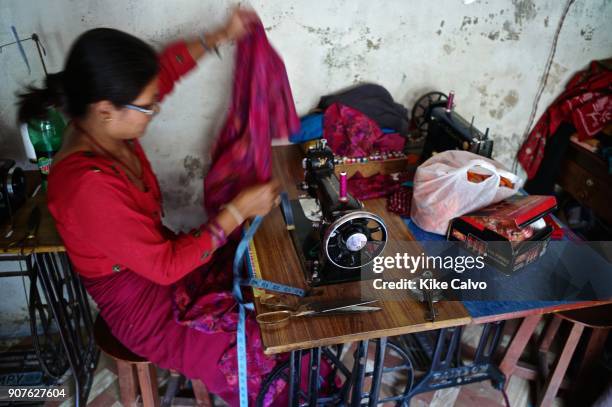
[(543, 79)]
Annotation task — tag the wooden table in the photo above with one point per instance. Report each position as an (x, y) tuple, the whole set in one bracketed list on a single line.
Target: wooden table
[(56, 299), (277, 261), (47, 241), (274, 258)]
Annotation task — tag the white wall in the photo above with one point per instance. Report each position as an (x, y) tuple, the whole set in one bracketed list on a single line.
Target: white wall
[(492, 53)]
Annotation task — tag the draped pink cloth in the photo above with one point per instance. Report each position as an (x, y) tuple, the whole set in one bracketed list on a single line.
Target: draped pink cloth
[(261, 109)]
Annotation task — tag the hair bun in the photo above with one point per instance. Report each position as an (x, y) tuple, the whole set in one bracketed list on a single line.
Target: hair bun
[(34, 103)]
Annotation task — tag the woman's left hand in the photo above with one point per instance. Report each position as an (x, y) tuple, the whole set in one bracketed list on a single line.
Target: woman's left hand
[(238, 23)]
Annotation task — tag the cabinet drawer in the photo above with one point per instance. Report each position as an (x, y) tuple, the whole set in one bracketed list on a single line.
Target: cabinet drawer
[(590, 190)]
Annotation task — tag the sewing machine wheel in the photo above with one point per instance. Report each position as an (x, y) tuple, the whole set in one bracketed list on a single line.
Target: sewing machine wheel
[(355, 239), (421, 109)]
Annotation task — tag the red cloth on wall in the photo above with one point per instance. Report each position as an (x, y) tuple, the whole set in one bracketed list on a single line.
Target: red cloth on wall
[(586, 103)]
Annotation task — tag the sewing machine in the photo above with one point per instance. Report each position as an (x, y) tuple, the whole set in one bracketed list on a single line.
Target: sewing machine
[(444, 129), (335, 238), (12, 188)]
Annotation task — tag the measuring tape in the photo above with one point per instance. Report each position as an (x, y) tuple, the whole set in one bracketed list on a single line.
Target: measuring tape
[(270, 286), (253, 281)]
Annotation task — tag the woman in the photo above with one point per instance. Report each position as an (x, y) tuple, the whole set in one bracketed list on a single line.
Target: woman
[(107, 203)]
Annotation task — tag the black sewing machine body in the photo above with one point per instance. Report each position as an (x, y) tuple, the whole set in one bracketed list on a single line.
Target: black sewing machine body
[(444, 129), (335, 239), (12, 188), (322, 184)]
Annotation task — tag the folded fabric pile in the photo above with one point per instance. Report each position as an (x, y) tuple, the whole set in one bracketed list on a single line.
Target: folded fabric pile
[(351, 133), (357, 122), (375, 102)]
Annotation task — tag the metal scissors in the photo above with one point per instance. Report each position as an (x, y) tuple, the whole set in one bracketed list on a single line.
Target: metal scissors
[(318, 308)]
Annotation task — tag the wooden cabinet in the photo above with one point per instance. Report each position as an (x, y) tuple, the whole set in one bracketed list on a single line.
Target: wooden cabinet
[(585, 176)]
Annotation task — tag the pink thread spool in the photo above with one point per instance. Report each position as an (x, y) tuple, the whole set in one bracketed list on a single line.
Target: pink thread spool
[(449, 102), (343, 182)]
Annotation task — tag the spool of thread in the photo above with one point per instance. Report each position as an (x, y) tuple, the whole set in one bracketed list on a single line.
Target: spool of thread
[(343, 197), (449, 102)]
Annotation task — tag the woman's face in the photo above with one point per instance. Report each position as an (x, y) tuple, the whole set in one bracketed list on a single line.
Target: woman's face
[(129, 122)]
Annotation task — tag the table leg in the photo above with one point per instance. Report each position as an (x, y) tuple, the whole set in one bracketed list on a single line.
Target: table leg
[(354, 380), (379, 366), (358, 374), (69, 306), (518, 344), (295, 369), (447, 369), (586, 380), (313, 379), (554, 380)]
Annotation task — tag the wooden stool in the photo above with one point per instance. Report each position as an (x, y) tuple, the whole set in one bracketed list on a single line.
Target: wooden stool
[(599, 321), (130, 366)]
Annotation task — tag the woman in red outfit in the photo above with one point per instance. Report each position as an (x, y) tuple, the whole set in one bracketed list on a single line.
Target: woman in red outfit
[(107, 203)]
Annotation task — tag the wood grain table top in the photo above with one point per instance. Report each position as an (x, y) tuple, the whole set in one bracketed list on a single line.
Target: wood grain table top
[(276, 260)]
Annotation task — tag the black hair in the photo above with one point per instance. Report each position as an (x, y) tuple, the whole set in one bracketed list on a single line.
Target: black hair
[(103, 64)]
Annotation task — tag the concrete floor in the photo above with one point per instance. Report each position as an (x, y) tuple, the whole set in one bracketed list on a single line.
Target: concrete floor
[(105, 390)]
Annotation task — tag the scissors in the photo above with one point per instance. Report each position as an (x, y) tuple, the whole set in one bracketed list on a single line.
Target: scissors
[(319, 308)]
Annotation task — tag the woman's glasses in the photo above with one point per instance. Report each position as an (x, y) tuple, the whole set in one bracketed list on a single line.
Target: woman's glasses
[(149, 110)]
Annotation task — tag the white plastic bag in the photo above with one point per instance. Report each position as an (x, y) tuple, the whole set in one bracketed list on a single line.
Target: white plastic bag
[(442, 190)]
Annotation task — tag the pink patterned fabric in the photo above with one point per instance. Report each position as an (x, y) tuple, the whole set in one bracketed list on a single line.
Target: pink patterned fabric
[(203, 301), (351, 133), (261, 109)]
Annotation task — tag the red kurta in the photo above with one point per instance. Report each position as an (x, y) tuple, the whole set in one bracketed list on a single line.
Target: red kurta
[(116, 241), (108, 224)]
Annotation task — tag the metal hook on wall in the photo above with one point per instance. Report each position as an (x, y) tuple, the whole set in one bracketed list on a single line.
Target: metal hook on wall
[(39, 47)]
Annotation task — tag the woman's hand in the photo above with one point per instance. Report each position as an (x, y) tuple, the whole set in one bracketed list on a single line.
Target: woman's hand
[(237, 25), (258, 199)]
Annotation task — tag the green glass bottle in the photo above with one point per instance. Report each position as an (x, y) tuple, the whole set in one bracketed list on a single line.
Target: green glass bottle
[(43, 140)]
